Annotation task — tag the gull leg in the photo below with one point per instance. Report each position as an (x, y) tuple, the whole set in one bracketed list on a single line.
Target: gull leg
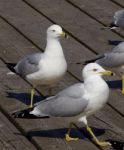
[(122, 84), (32, 97), (67, 135), (102, 144)]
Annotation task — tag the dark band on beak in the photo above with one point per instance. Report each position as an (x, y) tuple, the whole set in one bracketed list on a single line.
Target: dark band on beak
[(112, 74), (107, 73), (63, 34), (66, 36)]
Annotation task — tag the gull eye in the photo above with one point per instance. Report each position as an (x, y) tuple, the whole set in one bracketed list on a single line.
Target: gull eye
[(53, 30), (94, 69)]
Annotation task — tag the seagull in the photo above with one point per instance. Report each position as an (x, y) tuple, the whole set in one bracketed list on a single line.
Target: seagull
[(77, 101), (112, 59), (45, 68), (118, 20)]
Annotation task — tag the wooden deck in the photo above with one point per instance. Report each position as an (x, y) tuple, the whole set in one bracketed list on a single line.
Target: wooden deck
[(23, 24)]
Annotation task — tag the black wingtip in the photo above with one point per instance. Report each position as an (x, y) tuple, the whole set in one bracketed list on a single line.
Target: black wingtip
[(112, 25), (24, 114), (11, 66)]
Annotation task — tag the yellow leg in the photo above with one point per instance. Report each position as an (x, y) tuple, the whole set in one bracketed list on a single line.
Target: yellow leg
[(67, 135), (32, 97), (102, 144), (122, 84)]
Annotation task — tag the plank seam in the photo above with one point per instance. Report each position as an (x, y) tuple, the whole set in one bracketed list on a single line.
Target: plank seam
[(85, 12), (20, 32), (74, 37), (18, 127), (81, 42), (117, 3), (115, 109)]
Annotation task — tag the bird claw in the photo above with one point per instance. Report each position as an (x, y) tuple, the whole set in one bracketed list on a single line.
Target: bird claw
[(68, 138)]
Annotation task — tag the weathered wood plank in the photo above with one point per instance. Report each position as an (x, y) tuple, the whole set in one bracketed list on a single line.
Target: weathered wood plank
[(103, 13), (77, 23), (11, 138), (120, 2), (68, 19)]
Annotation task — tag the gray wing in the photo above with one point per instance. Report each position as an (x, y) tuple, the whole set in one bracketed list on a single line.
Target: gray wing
[(119, 18), (29, 64), (69, 102), (115, 58)]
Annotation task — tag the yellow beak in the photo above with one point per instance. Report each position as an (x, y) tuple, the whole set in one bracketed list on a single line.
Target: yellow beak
[(107, 73), (63, 34)]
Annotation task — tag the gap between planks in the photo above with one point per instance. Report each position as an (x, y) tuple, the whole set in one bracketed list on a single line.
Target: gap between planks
[(91, 16)]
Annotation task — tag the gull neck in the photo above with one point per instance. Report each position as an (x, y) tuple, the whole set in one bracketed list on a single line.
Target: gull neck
[(94, 83), (53, 47)]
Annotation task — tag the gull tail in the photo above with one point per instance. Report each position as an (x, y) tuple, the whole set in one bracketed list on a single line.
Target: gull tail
[(26, 113)]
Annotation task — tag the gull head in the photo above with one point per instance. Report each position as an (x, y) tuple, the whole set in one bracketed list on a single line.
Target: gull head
[(94, 69), (55, 31)]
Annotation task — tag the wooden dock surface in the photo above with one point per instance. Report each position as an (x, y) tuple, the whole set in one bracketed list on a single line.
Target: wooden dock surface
[(23, 25)]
